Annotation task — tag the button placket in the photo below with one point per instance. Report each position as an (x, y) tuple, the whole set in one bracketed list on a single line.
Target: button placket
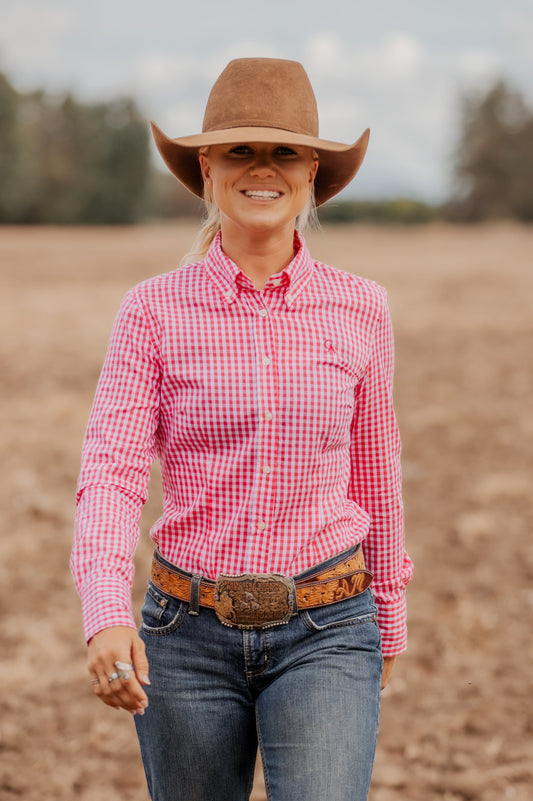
[(264, 328)]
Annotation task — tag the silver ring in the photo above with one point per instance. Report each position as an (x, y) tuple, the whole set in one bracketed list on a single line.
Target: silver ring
[(123, 674), (112, 677), (123, 666)]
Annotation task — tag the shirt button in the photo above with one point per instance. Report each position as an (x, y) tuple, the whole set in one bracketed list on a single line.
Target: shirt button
[(268, 415), (229, 296), (261, 525), (263, 313), (276, 281), (289, 298), (267, 469), (266, 361)]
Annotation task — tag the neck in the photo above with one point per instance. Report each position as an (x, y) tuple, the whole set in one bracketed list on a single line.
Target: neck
[(259, 254)]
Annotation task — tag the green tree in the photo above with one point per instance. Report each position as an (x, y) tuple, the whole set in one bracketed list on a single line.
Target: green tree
[(9, 148), (66, 162), (494, 158), (401, 211)]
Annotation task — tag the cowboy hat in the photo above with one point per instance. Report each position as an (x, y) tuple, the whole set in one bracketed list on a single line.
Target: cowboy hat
[(263, 100)]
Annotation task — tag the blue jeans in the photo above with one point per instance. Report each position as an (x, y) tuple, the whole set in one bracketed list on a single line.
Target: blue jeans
[(307, 692)]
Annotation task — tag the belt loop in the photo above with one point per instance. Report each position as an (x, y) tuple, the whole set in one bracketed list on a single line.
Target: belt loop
[(194, 597)]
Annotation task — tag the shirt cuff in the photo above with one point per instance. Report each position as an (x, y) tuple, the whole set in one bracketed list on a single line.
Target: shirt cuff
[(392, 621), (105, 602)]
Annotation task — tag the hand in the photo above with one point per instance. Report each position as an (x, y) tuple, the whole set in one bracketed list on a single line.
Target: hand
[(388, 662), (123, 644)]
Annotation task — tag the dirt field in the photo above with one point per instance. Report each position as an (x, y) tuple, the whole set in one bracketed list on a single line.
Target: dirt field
[(457, 718)]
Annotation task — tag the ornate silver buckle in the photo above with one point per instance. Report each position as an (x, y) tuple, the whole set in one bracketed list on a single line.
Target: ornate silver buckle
[(254, 601)]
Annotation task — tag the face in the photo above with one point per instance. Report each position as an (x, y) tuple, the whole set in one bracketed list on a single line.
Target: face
[(259, 186)]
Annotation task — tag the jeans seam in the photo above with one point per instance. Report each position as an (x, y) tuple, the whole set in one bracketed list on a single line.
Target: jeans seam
[(266, 776), (356, 621), (254, 673), (169, 628)]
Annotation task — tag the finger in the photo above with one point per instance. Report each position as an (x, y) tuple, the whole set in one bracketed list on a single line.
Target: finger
[(124, 690), (140, 662), (99, 687), (118, 688), (123, 697)]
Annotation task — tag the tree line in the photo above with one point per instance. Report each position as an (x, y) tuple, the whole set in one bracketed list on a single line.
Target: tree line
[(67, 162), (494, 159)]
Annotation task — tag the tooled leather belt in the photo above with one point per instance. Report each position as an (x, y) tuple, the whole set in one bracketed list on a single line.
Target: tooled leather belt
[(251, 601)]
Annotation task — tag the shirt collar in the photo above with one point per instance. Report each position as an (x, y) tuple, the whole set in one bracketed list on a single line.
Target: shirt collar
[(231, 280)]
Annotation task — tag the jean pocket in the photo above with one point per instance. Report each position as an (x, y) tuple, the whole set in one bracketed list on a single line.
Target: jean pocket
[(160, 613), (350, 612)]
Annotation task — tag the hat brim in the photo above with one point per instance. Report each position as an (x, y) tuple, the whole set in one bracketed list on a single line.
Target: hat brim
[(338, 163)]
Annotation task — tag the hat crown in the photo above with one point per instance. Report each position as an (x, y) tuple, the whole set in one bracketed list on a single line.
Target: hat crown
[(265, 92)]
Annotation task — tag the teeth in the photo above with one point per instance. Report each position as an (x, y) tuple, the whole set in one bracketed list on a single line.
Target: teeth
[(262, 194)]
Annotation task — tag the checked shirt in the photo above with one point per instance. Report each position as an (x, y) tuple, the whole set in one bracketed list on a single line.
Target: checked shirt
[(271, 415)]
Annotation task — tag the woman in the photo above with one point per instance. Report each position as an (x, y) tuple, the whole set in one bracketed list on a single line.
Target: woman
[(262, 380)]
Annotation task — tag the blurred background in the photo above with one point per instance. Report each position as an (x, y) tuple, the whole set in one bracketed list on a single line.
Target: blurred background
[(440, 214), (445, 89)]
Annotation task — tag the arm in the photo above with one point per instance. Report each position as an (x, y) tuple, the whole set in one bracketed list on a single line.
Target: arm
[(119, 448), (376, 486)]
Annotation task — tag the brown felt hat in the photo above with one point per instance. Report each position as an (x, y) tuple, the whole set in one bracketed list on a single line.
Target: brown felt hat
[(263, 100)]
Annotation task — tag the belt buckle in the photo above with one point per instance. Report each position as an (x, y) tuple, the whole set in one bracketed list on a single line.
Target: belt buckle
[(254, 601)]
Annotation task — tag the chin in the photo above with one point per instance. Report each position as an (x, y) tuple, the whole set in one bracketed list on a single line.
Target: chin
[(268, 220)]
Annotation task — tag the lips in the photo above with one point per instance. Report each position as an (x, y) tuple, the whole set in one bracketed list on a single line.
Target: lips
[(262, 194)]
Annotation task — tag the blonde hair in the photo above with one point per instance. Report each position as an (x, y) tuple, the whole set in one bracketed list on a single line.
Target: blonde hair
[(307, 220)]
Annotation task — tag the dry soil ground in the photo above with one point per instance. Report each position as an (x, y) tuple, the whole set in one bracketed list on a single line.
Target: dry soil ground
[(457, 717)]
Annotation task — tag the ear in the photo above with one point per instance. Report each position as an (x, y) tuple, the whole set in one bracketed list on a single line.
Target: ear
[(205, 168), (313, 171)]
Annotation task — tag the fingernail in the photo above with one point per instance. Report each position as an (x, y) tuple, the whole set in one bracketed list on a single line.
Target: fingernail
[(145, 679), (139, 712)]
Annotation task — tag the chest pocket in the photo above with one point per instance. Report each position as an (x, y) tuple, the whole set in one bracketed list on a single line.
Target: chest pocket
[(323, 400)]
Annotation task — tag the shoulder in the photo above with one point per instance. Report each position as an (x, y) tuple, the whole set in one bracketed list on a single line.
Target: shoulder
[(158, 300), (165, 284), (351, 287), (167, 291)]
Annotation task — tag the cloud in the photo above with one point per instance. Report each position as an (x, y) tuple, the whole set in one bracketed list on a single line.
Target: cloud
[(396, 57), (326, 52), (479, 66), (400, 73), (32, 35)]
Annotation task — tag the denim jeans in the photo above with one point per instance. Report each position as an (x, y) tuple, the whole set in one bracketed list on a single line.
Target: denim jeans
[(307, 692)]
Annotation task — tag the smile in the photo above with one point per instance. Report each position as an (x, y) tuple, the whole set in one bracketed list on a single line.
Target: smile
[(262, 194)]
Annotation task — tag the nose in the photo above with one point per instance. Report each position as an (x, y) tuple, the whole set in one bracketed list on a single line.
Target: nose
[(262, 164)]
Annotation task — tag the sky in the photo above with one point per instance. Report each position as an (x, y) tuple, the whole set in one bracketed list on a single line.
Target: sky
[(396, 67)]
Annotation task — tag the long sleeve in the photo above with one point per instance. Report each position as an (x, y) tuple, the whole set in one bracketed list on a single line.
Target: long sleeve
[(118, 451), (376, 486)]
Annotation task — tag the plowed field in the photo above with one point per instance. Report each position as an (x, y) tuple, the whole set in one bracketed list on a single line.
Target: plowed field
[(457, 721)]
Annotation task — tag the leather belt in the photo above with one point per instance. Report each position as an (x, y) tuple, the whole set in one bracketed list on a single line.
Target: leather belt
[(252, 601)]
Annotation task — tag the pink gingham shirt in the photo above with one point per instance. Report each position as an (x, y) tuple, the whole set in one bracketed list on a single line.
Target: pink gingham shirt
[(271, 414)]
